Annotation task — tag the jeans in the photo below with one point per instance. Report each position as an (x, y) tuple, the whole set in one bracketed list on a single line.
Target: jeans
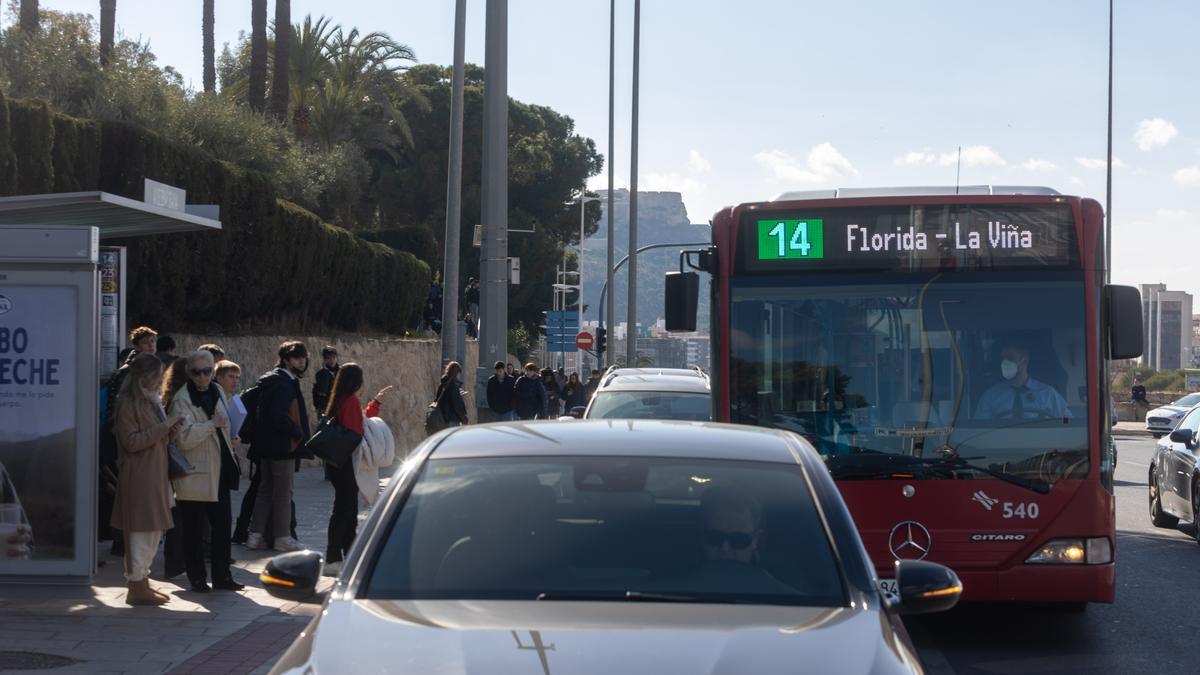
[(343, 522), (274, 502)]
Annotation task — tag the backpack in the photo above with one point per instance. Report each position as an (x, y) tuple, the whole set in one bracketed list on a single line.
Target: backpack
[(252, 400)]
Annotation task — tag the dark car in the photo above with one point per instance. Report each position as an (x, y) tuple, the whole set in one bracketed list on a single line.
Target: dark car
[(629, 546), (1175, 475)]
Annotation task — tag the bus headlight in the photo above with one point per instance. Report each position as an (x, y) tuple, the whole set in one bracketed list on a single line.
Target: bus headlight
[(1073, 551)]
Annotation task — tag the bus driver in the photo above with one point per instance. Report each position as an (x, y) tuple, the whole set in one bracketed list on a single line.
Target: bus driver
[(1020, 396)]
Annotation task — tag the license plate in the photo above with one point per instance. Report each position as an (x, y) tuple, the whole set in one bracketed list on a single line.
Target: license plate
[(888, 586)]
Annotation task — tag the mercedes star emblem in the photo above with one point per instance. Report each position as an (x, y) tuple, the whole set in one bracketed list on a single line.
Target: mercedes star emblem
[(909, 540)]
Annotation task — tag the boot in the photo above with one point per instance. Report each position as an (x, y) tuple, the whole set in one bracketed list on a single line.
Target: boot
[(139, 593), (161, 596)]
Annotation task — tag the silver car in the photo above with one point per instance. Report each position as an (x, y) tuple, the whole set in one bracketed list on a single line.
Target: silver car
[(1162, 420), (609, 547), (652, 393)]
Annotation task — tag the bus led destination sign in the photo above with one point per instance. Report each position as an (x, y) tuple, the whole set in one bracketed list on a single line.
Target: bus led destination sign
[(912, 238)]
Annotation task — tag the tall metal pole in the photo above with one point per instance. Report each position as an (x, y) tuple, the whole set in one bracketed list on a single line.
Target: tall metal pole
[(1108, 178), (454, 194), (493, 334), (612, 56), (631, 334), (579, 277)]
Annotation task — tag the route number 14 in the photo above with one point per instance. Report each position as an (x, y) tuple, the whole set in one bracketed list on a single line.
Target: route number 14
[(797, 242)]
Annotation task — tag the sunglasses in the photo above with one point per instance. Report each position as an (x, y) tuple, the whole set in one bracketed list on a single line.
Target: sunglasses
[(200, 371), (737, 540)]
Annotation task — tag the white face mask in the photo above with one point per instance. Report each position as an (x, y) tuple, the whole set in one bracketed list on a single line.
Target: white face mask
[(1008, 369)]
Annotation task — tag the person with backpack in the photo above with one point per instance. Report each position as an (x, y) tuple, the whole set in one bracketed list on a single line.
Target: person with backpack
[(347, 410), (449, 396), (280, 430)]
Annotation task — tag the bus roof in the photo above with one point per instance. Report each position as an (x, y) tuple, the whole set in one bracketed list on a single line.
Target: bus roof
[(917, 191)]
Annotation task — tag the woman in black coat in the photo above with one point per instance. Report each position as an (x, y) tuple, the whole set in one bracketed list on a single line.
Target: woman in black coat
[(449, 396)]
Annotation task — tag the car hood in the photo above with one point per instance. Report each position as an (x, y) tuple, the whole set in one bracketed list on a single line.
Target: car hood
[(1167, 411), (479, 638)]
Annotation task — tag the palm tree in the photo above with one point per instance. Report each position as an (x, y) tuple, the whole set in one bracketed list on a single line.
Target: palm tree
[(29, 16), (108, 20), (280, 91), (258, 55), (309, 62), (210, 62)]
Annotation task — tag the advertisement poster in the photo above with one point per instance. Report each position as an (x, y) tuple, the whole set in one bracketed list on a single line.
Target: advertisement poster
[(37, 415), (110, 303)]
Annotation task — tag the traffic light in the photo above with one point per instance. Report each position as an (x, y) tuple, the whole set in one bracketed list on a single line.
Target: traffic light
[(601, 340)]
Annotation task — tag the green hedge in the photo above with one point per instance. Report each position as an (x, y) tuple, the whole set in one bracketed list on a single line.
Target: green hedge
[(8, 159), (418, 240), (272, 266)]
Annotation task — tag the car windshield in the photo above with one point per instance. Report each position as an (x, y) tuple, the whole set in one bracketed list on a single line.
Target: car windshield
[(895, 377), (651, 405), (1188, 401), (609, 528)]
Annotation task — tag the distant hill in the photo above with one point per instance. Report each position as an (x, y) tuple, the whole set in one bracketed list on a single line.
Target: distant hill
[(662, 218)]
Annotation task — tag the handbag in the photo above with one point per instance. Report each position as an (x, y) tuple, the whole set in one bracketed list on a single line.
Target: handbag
[(178, 465), (333, 442), (435, 421)]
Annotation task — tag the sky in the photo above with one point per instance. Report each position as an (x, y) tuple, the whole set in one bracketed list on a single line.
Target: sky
[(741, 101)]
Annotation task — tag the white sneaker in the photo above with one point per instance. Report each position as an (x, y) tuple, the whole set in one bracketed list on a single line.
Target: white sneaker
[(254, 542), (333, 569), (285, 544)]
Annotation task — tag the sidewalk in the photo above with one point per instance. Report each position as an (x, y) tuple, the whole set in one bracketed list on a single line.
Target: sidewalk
[(219, 632)]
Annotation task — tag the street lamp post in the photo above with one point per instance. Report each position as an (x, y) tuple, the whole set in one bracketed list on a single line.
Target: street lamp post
[(583, 200)]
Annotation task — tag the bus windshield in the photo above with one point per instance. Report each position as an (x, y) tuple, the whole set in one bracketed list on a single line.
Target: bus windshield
[(931, 375)]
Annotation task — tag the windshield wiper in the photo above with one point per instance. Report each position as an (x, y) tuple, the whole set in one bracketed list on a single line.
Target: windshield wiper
[(627, 596), (1037, 486)]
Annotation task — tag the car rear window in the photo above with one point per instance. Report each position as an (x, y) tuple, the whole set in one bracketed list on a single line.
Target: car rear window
[(651, 405), (608, 528)]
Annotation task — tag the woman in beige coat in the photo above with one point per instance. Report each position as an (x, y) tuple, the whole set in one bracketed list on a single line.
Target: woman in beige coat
[(203, 495), (142, 507)]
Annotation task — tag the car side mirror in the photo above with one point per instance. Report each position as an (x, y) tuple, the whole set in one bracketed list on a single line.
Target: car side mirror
[(293, 576), (1185, 436), (926, 587), (577, 411)]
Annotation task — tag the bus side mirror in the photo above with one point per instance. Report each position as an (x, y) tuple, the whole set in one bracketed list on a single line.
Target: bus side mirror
[(1124, 322), (683, 297)]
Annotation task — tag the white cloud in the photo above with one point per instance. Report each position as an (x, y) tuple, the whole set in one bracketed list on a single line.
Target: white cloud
[(972, 155), (697, 163), (1094, 164), (1154, 133), (1172, 213), (1033, 164), (1188, 176), (823, 164)]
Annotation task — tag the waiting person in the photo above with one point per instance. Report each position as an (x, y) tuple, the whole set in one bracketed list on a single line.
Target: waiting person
[(469, 320), (553, 394), (203, 495), (218, 353), (228, 376), (323, 379), (281, 428), (592, 384), (1019, 396), (449, 396), (1137, 396), (500, 393), (529, 396), (472, 297), (175, 379), (345, 406), (142, 509), (575, 393), (165, 349)]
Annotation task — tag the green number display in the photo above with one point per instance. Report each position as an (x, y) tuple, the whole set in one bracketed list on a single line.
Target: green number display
[(791, 239)]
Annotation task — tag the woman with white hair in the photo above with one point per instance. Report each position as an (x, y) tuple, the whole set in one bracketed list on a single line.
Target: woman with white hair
[(204, 493)]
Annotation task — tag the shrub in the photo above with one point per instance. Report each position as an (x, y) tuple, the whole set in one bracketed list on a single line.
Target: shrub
[(8, 159), (32, 140), (417, 240)]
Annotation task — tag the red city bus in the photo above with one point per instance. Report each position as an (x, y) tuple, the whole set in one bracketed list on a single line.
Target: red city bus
[(945, 350)]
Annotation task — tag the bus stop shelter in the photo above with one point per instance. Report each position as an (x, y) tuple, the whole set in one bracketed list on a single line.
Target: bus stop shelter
[(62, 298)]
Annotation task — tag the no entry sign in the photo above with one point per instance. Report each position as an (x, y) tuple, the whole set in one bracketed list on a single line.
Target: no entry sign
[(584, 340)]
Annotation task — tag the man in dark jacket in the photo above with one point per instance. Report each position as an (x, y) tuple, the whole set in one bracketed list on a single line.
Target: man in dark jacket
[(593, 383), (529, 395), (323, 379), (500, 393), (281, 427)]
